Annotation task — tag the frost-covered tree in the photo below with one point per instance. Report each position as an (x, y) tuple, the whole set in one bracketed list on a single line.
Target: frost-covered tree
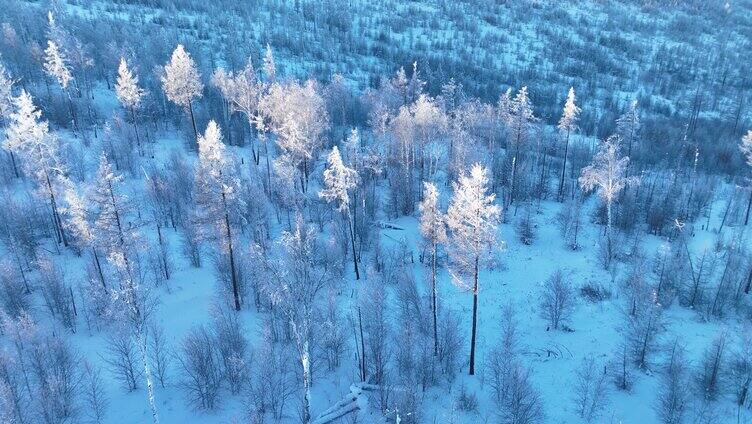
[(109, 208), (39, 150), (216, 191), (79, 225), (607, 174), (433, 230), (473, 221), (129, 307), (520, 121), (567, 124), (430, 122), (56, 66), (242, 93), (403, 154), (298, 117), (6, 93), (181, 82), (223, 81), (269, 66), (338, 181), (6, 107), (746, 147), (296, 278), (130, 95)]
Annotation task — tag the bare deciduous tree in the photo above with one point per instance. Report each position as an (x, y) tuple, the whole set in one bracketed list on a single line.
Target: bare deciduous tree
[(200, 361), (590, 389), (558, 299)]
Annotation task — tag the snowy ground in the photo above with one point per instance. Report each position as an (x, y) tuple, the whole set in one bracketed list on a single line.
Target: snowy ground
[(516, 280)]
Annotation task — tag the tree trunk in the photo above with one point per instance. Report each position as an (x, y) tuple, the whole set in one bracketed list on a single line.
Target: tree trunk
[(55, 215), (749, 206), (268, 167), (563, 167), (72, 112), (609, 246), (352, 243), (255, 152), (99, 267), (13, 163), (135, 131), (147, 375), (305, 361), (233, 275), (193, 122), (162, 252), (363, 374), (514, 165), (475, 318), (433, 302)]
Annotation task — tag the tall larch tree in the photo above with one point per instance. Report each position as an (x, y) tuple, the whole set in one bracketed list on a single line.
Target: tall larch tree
[(269, 66), (109, 208), (433, 230), (430, 122), (473, 221), (242, 93), (6, 108), (217, 189), (296, 276), (130, 95), (129, 305), (520, 120), (79, 225), (39, 150), (567, 125), (299, 118), (182, 83), (608, 174), (338, 181), (56, 66)]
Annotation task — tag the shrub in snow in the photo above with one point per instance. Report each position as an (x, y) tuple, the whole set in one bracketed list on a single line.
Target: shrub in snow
[(595, 292)]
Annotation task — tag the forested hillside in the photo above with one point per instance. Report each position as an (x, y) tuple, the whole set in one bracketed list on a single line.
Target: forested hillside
[(336, 211)]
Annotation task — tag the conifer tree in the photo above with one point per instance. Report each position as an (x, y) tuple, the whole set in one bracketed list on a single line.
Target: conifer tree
[(520, 120), (217, 190), (567, 124), (473, 220), (56, 66), (338, 181), (433, 230), (39, 150), (270, 67), (130, 306), (182, 83), (130, 95), (6, 108), (607, 174)]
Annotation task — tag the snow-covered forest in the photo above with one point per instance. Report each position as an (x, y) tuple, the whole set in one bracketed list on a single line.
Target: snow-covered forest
[(342, 211)]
